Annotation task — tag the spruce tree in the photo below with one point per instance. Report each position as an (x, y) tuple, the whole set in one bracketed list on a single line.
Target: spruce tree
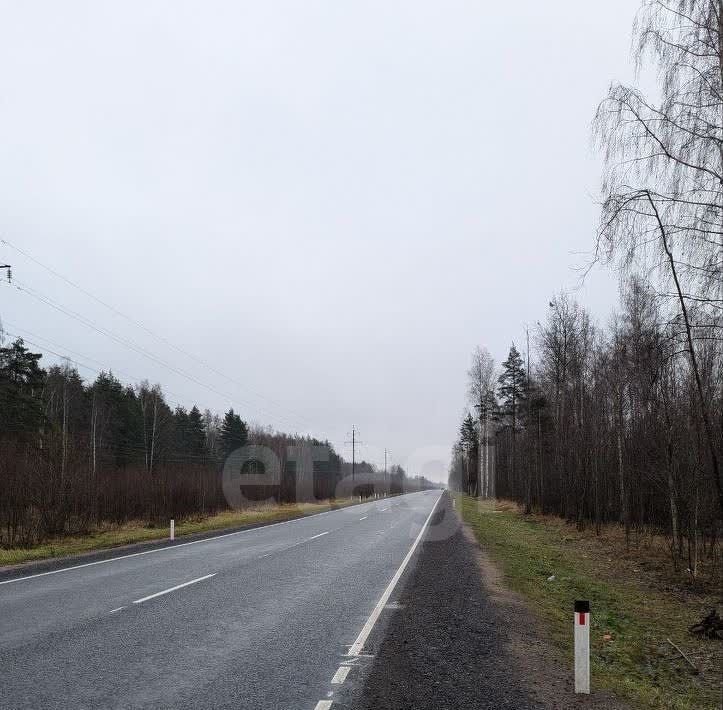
[(196, 444), (21, 387), (469, 440), (180, 432), (234, 433)]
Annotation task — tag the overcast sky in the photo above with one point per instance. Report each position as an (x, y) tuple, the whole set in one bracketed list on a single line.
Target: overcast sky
[(331, 203)]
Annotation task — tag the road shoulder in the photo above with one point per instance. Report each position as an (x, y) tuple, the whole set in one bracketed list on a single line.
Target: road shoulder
[(457, 638)]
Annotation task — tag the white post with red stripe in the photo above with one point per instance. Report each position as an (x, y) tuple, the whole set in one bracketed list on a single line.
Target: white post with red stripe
[(582, 646)]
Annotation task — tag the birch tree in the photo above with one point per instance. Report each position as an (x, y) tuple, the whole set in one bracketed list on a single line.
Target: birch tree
[(663, 185), (480, 392)]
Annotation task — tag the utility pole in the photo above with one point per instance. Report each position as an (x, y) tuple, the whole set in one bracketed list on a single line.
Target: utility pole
[(10, 278), (385, 465), (353, 443)]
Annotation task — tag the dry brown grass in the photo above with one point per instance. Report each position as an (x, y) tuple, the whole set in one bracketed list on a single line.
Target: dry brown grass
[(109, 535)]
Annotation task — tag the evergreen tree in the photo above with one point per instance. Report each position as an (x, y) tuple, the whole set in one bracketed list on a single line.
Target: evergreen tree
[(21, 385), (180, 432), (469, 441), (234, 433), (196, 445), (512, 392), (512, 386), (118, 426)]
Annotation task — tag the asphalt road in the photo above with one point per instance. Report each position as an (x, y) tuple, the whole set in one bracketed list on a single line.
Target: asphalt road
[(448, 643), (262, 618)]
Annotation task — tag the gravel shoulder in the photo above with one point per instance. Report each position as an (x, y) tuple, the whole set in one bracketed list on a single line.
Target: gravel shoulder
[(457, 638)]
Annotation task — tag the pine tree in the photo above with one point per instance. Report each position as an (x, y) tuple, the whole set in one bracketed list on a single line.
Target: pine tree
[(512, 386), (234, 433), (512, 392)]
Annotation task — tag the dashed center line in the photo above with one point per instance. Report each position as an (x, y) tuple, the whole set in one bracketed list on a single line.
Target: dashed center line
[(323, 705), (340, 676), (364, 518), (296, 544), (173, 589), (319, 535)]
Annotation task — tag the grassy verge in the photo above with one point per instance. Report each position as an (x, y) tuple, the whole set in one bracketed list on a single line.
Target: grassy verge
[(634, 611), (114, 536)]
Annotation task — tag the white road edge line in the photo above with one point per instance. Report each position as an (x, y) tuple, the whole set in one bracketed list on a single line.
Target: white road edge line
[(358, 645), (173, 547), (113, 611), (173, 589), (323, 705), (340, 676)]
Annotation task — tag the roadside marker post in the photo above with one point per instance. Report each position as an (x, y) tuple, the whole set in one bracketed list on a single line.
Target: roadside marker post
[(582, 646), (173, 529)]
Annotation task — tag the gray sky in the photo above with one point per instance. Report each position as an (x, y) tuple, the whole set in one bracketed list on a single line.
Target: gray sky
[(330, 202)]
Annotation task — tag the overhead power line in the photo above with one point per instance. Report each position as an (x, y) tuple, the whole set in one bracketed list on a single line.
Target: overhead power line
[(23, 333), (150, 332), (125, 342), (78, 363)]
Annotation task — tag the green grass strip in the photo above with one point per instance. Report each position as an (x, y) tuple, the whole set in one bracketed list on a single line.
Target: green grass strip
[(636, 664)]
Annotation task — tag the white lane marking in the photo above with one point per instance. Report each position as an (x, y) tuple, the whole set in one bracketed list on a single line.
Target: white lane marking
[(296, 544), (383, 509), (364, 518), (323, 705), (113, 611), (319, 535), (340, 676), (173, 589), (174, 547), (358, 645)]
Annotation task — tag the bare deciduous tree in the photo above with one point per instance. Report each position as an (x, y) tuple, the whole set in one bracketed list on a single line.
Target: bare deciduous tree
[(663, 186)]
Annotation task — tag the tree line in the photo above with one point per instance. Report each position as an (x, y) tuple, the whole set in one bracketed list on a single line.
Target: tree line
[(76, 455), (624, 422)]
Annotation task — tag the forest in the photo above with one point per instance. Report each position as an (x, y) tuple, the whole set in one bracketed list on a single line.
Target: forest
[(623, 421), (76, 455)]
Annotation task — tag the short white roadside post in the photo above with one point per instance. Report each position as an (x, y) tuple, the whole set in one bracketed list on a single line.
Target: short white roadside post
[(582, 646), (173, 529)]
